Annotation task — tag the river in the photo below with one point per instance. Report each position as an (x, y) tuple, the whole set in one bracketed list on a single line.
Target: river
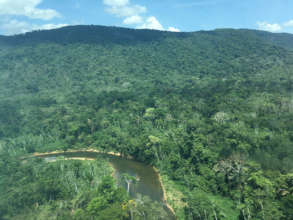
[(148, 183)]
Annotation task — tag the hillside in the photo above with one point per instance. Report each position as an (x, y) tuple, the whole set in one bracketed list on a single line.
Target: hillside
[(212, 110)]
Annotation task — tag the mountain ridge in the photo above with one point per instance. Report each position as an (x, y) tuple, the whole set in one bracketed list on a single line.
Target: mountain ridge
[(104, 34)]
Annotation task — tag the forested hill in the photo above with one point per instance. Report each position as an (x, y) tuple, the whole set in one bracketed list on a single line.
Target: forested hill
[(89, 34), (212, 110), (115, 35)]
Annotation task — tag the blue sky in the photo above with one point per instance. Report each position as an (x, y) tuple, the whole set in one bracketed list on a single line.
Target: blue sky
[(19, 16)]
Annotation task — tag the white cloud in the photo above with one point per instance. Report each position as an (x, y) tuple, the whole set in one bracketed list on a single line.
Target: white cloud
[(136, 19), (151, 23), (288, 23), (26, 8), (17, 27), (173, 29), (126, 11), (48, 26), (123, 8), (269, 27), (132, 15)]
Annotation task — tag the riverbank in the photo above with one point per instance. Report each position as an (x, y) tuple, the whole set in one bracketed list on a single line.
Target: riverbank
[(165, 197), (174, 196), (72, 158), (89, 150)]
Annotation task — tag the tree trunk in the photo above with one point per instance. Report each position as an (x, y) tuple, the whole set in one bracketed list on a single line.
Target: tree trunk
[(128, 186)]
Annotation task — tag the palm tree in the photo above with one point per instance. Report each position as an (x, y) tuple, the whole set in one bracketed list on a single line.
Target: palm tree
[(128, 179)]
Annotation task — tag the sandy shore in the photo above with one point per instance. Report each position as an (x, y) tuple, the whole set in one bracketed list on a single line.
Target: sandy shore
[(73, 158), (75, 151), (164, 192)]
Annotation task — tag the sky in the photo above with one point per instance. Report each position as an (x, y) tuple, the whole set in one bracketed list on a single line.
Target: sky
[(20, 16)]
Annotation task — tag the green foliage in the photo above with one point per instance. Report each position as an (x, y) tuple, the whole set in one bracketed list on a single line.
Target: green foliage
[(201, 207), (212, 110)]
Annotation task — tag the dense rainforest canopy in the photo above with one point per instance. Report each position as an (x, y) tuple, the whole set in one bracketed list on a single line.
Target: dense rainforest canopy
[(212, 110)]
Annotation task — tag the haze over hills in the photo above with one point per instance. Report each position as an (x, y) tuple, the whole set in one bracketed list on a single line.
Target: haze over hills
[(212, 110)]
